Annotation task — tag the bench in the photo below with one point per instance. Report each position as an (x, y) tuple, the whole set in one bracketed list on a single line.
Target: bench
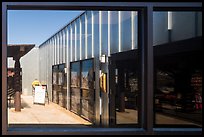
[(11, 95)]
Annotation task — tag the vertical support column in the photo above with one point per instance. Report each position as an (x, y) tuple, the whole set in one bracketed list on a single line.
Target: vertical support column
[(146, 48), (149, 69), (17, 101), (4, 123)]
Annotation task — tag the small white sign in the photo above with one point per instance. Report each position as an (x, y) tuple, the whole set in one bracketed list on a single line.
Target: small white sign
[(39, 95)]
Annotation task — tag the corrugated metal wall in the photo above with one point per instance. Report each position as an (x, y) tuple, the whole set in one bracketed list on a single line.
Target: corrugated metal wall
[(96, 33)]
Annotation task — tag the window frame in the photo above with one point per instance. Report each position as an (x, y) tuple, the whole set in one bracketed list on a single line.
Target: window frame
[(145, 40)]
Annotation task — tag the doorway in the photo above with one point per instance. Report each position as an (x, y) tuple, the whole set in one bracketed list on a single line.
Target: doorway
[(82, 91), (59, 85), (124, 89)]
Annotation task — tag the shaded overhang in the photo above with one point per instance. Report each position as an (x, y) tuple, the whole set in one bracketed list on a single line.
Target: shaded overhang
[(18, 50)]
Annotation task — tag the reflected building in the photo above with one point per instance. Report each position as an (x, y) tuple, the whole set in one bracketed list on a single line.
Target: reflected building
[(105, 45)]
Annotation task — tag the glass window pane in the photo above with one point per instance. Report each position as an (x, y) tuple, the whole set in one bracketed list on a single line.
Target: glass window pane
[(75, 69), (61, 87), (75, 87), (128, 80), (178, 72), (125, 100), (87, 86), (54, 82)]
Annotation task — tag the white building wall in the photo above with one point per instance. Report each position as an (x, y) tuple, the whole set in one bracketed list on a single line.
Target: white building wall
[(30, 70)]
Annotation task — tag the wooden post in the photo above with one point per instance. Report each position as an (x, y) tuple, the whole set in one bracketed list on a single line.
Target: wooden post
[(17, 99)]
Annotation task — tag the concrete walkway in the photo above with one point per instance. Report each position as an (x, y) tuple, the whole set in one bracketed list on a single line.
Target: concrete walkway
[(42, 114)]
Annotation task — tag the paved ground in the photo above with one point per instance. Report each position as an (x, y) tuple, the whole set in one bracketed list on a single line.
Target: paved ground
[(42, 114), (54, 114), (130, 117)]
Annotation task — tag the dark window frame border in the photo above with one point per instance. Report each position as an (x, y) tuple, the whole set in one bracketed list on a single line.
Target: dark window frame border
[(145, 40)]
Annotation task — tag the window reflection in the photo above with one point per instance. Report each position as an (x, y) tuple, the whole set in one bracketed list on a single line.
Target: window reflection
[(126, 30), (178, 73), (75, 87), (59, 92), (82, 89), (89, 34), (125, 99), (87, 86), (83, 36)]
